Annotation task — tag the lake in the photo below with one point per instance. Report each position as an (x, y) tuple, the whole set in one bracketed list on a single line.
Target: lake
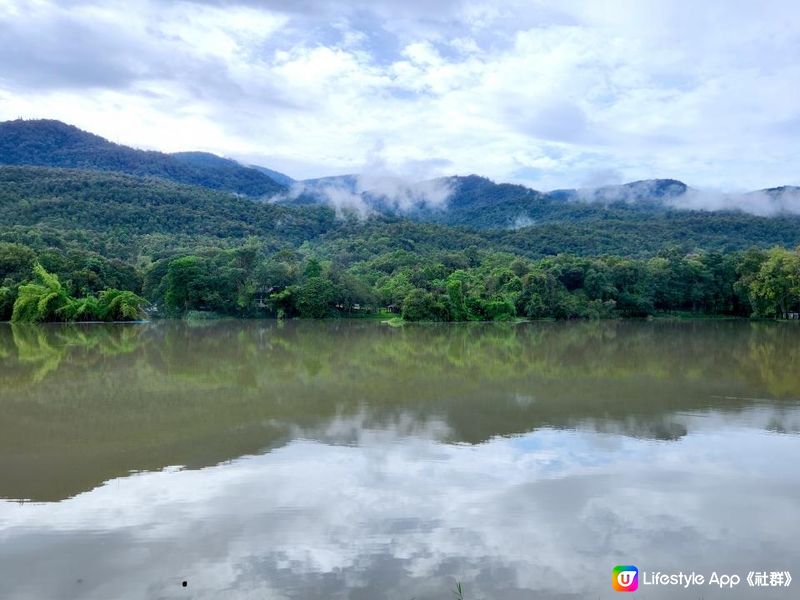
[(349, 459)]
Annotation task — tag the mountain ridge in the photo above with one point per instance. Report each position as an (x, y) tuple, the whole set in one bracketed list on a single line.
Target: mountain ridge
[(52, 143), (124, 216), (472, 200)]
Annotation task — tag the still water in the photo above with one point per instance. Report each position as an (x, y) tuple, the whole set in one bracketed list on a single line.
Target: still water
[(347, 459)]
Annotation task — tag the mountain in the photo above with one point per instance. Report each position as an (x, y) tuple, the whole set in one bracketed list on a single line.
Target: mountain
[(480, 203), (276, 176), (322, 191), (51, 143), (782, 190), (647, 191), (317, 187), (188, 247), (123, 216), (783, 199), (468, 201), (634, 219)]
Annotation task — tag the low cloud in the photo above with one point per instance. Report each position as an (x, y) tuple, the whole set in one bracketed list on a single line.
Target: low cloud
[(674, 194), (765, 203), (386, 191), (367, 193), (636, 191), (379, 187), (401, 195), (521, 221)]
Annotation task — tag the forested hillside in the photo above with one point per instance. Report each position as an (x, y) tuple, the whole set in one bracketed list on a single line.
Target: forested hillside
[(607, 219), (126, 234), (56, 144), (480, 203), (72, 241), (127, 217)]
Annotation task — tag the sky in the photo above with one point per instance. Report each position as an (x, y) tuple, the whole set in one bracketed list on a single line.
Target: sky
[(574, 93)]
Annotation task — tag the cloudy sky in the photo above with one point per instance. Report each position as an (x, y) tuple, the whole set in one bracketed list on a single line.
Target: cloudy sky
[(550, 94)]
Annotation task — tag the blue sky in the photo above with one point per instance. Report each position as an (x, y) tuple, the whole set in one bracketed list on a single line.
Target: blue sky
[(550, 94)]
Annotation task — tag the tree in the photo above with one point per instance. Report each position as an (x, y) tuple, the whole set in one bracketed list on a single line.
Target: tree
[(83, 309), (313, 268), (119, 305), (500, 308), (16, 261), (44, 299), (282, 303), (420, 305), (182, 275), (7, 297), (456, 296), (776, 287), (395, 289), (315, 298), (203, 283)]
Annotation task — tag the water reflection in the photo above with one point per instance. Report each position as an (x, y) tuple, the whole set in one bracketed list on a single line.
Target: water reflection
[(352, 460)]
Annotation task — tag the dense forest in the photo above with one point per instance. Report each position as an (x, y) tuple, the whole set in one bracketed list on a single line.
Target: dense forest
[(97, 244), (436, 284), (47, 277)]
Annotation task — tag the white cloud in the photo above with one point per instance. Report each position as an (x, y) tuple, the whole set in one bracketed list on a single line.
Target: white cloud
[(542, 93)]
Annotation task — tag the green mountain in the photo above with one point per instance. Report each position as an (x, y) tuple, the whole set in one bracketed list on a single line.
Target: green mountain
[(480, 203), (50, 143), (191, 248), (469, 201), (459, 248), (276, 176), (123, 216)]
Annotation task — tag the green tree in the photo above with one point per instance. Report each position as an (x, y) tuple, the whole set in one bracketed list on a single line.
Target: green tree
[(203, 283), (420, 305), (776, 287), (313, 268), (283, 302), (315, 298), (120, 305), (16, 262), (83, 309), (456, 296), (182, 275), (44, 299), (500, 308), (7, 297)]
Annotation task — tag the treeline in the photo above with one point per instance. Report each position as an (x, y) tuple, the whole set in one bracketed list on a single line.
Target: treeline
[(251, 281)]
